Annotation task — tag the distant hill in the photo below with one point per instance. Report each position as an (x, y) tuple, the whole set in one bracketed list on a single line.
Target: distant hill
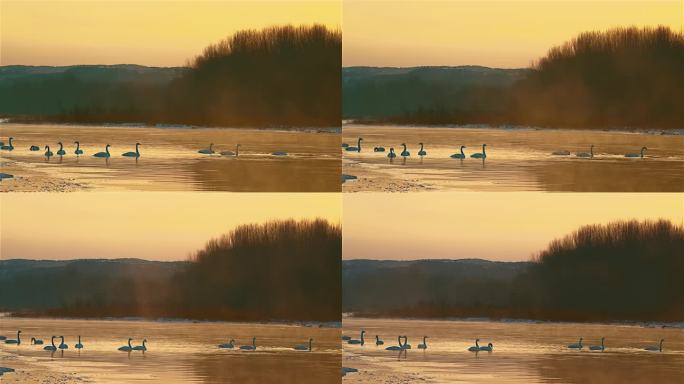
[(382, 92), (370, 286), (36, 285)]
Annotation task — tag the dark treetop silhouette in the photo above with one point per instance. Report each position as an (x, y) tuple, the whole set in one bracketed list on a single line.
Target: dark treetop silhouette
[(276, 77), (623, 77)]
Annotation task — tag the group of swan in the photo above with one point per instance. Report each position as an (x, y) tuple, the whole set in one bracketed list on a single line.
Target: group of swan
[(590, 154), (210, 151), (35, 341), (578, 346), (477, 347), (129, 347), (402, 342), (252, 347), (78, 151)]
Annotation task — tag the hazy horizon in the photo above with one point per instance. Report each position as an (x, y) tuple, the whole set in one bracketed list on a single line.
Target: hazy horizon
[(494, 226), (497, 34), (161, 226), (63, 33)]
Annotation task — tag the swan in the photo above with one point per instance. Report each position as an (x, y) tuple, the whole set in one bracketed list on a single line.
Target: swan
[(391, 154), (357, 148), (346, 370), (51, 347), (103, 154), (61, 151), (488, 348), (36, 341), (406, 344), (459, 155), (127, 348), (34, 148), (228, 345), (303, 347), (356, 341), (561, 153), (378, 341), (480, 155), (62, 345), (78, 150), (231, 153), (9, 146), (249, 347), (585, 154), (133, 154), (640, 154), (346, 338), (405, 153), (5, 176), (422, 152), (577, 345), (598, 347), (395, 347), (79, 345), (141, 347), (48, 152), (18, 340), (345, 145), (424, 344), (476, 347), (279, 153), (207, 151), (655, 348)]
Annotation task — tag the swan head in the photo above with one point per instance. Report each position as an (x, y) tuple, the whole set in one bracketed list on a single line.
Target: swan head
[(391, 149), (76, 142), (136, 144), (490, 345), (484, 145), (47, 147), (310, 340), (60, 143), (107, 146), (363, 331), (463, 146), (232, 341), (420, 143)]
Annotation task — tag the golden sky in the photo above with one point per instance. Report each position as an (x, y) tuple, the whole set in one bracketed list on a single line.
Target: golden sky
[(149, 225), (155, 33), (483, 32), (495, 226)]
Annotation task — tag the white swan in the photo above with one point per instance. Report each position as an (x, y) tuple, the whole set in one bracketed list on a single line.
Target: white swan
[(379, 149), (36, 341), (476, 347), (231, 153), (480, 155), (590, 154), (488, 348), (655, 348), (34, 148), (378, 341), (598, 347), (127, 348), (18, 339), (62, 345), (422, 152), (48, 152), (406, 345), (9, 146), (133, 154), (142, 347), (424, 344), (61, 151), (228, 345), (303, 347), (405, 153), (79, 345), (459, 155), (356, 341), (357, 148), (577, 345), (207, 151), (640, 154), (391, 154), (395, 347), (5, 176), (78, 150), (561, 153), (105, 153), (346, 338), (249, 347), (51, 347)]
